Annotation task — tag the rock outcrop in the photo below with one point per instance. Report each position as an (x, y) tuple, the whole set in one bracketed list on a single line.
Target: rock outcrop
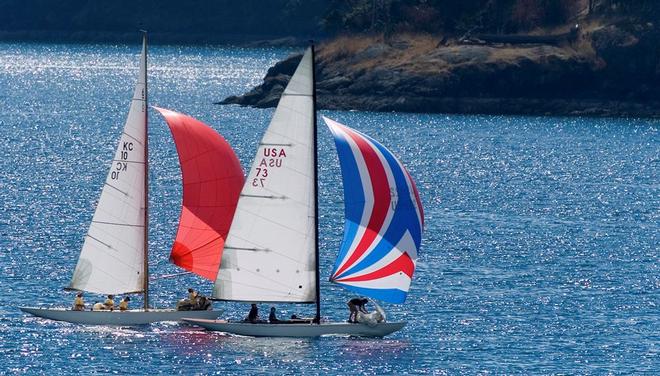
[(609, 70)]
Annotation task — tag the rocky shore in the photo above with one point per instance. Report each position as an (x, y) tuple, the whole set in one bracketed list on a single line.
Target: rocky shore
[(610, 69)]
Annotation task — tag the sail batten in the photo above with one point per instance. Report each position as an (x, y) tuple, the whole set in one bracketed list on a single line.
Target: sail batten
[(276, 209), (112, 257), (384, 218), (212, 180)]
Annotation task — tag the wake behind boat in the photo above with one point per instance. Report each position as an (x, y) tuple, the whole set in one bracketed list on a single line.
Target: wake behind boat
[(114, 256), (272, 253)]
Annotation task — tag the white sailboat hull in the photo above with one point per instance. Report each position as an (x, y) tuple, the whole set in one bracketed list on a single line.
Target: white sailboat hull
[(297, 330), (125, 318)]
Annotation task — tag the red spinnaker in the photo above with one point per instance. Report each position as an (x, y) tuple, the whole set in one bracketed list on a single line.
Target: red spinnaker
[(212, 181)]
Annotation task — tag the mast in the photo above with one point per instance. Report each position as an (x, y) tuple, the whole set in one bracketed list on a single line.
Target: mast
[(317, 318), (145, 274)]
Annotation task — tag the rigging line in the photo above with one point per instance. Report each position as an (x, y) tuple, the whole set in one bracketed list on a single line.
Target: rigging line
[(164, 276), (295, 261), (133, 137), (274, 144), (211, 180), (247, 249), (104, 243), (116, 224), (117, 189), (297, 95), (200, 228), (205, 244), (260, 196), (197, 155), (121, 281), (278, 224), (127, 161), (110, 255), (120, 238), (294, 109), (121, 261), (193, 208)]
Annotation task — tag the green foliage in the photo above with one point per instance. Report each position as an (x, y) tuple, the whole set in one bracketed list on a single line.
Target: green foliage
[(307, 18), (448, 16), (460, 16)]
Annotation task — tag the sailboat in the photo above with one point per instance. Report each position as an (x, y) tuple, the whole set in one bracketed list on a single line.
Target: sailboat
[(114, 257), (272, 255)]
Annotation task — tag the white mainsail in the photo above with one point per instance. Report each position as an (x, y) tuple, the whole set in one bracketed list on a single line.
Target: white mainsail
[(269, 254), (112, 260)]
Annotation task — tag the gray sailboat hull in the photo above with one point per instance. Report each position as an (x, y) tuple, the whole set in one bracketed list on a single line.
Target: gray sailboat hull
[(297, 330), (125, 318)]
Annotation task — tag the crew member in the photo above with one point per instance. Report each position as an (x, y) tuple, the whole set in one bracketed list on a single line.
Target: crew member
[(253, 316), (110, 303), (192, 295), (272, 317), (123, 305), (356, 305), (79, 303)]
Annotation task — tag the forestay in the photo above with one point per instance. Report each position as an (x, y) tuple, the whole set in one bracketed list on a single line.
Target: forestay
[(384, 218), (269, 253), (212, 180), (113, 253)]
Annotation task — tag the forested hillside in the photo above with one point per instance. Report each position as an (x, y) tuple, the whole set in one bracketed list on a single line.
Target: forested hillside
[(244, 20), (463, 16), (187, 21)]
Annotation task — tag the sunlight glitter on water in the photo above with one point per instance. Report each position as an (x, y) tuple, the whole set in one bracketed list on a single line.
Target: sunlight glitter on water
[(539, 256)]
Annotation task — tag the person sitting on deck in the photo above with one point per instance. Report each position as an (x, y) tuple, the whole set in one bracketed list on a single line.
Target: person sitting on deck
[(272, 318), (98, 306), (356, 305), (79, 303), (194, 302), (109, 303), (123, 305), (253, 316), (192, 295)]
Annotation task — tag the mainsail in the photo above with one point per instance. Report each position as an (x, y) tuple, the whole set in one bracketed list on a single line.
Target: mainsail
[(384, 218), (269, 254), (212, 180), (113, 253)]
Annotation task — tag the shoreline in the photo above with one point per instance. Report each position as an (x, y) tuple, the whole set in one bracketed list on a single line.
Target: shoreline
[(607, 72), (156, 38), (512, 107)]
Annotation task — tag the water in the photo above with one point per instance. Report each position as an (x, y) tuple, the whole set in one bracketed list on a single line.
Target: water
[(540, 253)]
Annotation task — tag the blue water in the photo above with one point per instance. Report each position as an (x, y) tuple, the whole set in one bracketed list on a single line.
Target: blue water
[(540, 254)]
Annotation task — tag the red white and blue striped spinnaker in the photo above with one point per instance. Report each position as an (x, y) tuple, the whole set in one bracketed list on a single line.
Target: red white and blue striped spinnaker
[(384, 218)]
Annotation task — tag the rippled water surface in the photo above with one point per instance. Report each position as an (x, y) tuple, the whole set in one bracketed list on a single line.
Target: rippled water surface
[(540, 253)]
